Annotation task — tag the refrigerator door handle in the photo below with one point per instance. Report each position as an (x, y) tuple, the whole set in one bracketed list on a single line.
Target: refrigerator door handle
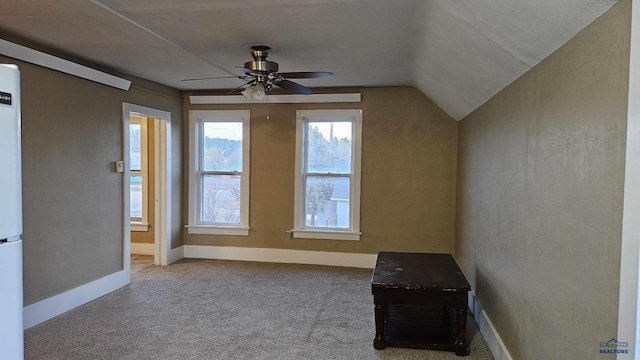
[(10, 239)]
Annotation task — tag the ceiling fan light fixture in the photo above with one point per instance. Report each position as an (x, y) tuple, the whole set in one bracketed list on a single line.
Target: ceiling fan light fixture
[(248, 93), (254, 92), (259, 92)]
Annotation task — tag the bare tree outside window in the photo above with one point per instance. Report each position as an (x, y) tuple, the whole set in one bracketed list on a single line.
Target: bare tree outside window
[(221, 199), (221, 176), (318, 193), (328, 168)]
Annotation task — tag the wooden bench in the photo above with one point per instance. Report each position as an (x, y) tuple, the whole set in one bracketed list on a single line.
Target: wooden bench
[(415, 297)]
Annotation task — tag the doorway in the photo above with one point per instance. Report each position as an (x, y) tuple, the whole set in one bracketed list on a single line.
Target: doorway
[(142, 180), (147, 182)]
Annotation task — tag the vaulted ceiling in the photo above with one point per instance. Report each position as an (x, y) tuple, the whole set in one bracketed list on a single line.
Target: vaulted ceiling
[(459, 53)]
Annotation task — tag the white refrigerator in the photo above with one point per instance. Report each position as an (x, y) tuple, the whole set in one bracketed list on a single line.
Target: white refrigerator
[(11, 323)]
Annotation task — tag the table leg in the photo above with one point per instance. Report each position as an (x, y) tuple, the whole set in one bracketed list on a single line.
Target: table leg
[(462, 349), (378, 342)]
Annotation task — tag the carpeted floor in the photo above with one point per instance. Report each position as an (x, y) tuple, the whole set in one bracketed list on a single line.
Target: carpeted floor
[(210, 309)]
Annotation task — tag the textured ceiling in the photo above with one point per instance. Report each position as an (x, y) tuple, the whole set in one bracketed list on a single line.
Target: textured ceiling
[(458, 53)]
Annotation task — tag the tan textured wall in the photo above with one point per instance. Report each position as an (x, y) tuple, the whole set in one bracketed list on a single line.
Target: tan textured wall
[(408, 175), (72, 198), (147, 237), (539, 210)]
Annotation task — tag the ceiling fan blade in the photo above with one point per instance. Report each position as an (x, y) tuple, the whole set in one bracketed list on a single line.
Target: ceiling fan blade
[(241, 86), (243, 69), (214, 77), (294, 87), (307, 75)]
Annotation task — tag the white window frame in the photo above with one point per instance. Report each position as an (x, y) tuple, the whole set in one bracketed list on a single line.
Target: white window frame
[(300, 230), (143, 224), (196, 120)]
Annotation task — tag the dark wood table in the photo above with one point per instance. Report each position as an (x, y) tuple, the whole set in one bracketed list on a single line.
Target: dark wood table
[(415, 296)]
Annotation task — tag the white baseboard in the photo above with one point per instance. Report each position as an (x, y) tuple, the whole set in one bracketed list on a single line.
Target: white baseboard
[(175, 254), (143, 249), (491, 336), (367, 261), (56, 305)]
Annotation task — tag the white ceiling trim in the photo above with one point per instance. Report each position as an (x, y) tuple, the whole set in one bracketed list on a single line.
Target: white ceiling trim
[(277, 99), (55, 63)]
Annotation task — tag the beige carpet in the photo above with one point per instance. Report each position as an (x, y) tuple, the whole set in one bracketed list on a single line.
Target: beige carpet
[(210, 309)]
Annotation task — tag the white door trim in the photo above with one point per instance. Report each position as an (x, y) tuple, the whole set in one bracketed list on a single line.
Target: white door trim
[(162, 134), (629, 301), (163, 191)]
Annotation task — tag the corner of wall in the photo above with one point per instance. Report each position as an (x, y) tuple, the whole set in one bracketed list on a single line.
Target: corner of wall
[(489, 332)]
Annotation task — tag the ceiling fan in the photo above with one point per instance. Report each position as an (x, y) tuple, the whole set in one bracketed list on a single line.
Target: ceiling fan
[(261, 75)]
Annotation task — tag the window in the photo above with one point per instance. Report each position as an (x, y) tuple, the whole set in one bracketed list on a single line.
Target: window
[(219, 172), (327, 184), (138, 168)]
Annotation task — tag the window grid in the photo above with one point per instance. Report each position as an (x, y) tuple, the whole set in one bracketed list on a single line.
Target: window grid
[(202, 175), (306, 174), (219, 190), (341, 220)]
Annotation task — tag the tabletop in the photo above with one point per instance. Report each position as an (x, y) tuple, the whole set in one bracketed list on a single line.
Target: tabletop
[(418, 271)]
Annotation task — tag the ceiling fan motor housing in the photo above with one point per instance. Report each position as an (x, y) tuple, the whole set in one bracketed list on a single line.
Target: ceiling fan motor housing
[(260, 62)]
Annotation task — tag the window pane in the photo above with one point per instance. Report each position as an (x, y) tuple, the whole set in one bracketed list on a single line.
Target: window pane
[(329, 147), (327, 201), (135, 204), (222, 146), (134, 146), (220, 199)]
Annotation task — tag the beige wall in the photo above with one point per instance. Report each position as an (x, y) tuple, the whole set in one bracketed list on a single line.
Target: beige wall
[(72, 198), (539, 201), (408, 175)]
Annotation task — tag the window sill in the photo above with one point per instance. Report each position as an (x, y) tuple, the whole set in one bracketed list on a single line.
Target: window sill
[(326, 235), (217, 230), (139, 227)]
